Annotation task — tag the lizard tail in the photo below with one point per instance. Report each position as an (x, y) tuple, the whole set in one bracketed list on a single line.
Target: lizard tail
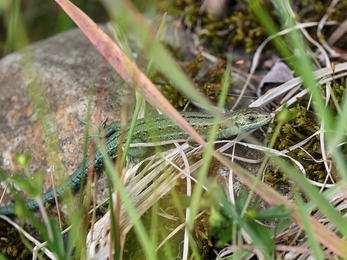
[(7, 211), (73, 183)]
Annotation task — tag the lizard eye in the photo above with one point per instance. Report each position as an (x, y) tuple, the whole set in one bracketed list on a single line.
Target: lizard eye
[(251, 118)]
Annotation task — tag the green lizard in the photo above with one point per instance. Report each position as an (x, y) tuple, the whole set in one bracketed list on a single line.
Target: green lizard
[(161, 129)]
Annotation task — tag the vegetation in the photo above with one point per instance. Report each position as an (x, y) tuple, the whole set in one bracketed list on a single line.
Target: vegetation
[(194, 217)]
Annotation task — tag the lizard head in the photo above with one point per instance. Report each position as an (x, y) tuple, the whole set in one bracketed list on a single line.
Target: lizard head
[(251, 118)]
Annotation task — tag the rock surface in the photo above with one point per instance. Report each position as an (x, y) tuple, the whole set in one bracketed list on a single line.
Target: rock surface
[(68, 67)]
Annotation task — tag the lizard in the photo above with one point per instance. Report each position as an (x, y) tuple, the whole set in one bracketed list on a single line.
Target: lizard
[(160, 129)]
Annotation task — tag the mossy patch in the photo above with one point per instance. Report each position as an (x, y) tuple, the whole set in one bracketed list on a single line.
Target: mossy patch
[(210, 84), (238, 26), (304, 123)]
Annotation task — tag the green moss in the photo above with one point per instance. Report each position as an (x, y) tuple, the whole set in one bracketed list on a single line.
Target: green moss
[(11, 245), (239, 27), (210, 84), (300, 127)]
